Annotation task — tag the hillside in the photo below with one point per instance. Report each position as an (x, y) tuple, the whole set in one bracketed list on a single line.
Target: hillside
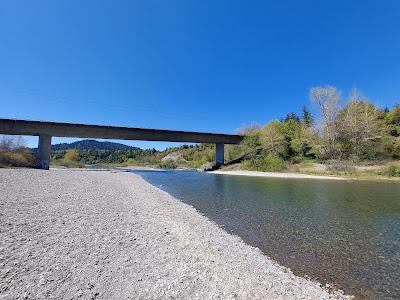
[(92, 145), (91, 152)]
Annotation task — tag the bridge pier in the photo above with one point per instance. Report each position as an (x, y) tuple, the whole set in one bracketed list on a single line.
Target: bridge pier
[(44, 152), (46, 130), (219, 157)]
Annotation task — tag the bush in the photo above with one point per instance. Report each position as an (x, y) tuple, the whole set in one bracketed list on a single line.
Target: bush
[(169, 164), (14, 154), (71, 160), (392, 170), (16, 158), (71, 155), (265, 164), (200, 155)]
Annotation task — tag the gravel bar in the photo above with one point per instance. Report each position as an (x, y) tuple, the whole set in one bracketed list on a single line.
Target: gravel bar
[(70, 234)]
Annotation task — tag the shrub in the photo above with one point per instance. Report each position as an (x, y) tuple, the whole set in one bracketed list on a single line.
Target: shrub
[(200, 155), (14, 154), (265, 164), (392, 170), (71, 155), (169, 164), (16, 158), (71, 159)]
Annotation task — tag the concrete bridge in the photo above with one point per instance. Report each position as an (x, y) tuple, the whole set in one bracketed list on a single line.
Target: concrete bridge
[(46, 130)]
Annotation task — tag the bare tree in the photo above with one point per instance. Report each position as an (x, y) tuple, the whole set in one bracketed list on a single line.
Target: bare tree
[(356, 95), (327, 99), (8, 143), (248, 128)]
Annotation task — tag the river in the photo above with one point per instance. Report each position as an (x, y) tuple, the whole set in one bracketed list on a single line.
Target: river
[(342, 233)]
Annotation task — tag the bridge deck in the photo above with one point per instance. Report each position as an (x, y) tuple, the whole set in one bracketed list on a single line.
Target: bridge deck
[(38, 128)]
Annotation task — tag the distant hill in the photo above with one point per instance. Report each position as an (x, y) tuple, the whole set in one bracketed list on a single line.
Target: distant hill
[(92, 145)]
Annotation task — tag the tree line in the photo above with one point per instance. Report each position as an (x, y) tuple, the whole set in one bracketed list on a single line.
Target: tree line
[(357, 131), (101, 156)]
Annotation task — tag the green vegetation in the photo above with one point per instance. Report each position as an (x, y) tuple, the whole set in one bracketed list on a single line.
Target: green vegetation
[(168, 164), (71, 159), (267, 163), (14, 154), (391, 170), (357, 139), (101, 157), (357, 134), (200, 154)]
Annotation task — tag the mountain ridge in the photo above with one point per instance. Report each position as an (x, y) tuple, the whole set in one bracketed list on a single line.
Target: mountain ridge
[(92, 145)]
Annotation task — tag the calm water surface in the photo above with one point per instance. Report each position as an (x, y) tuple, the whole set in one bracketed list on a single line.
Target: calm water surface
[(343, 233)]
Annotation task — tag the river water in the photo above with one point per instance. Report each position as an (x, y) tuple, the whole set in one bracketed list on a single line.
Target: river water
[(344, 233)]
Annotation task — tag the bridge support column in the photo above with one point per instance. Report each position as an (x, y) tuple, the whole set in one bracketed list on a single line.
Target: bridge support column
[(44, 152), (219, 157)]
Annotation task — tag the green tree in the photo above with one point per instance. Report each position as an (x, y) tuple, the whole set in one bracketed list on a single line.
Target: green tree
[(273, 140), (392, 120), (291, 116), (307, 117), (359, 128)]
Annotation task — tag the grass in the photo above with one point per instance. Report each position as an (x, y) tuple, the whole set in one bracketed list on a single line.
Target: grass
[(391, 170), (387, 171), (305, 165)]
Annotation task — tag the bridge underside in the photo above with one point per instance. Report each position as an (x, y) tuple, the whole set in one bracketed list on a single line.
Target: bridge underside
[(46, 130)]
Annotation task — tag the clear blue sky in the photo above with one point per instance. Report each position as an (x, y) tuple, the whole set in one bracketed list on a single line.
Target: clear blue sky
[(191, 65)]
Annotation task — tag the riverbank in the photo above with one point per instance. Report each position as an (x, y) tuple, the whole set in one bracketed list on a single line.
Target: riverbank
[(275, 174), (111, 235), (322, 171)]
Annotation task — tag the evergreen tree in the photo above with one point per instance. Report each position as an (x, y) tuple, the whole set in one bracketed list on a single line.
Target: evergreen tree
[(307, 117), (291, 116)]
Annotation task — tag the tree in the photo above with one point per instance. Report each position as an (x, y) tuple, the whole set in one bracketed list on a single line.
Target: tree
[(273, 140), (251, 141), (307, 117), (301, 141), (327, 99), (248, 129), (292, 116), (392, 120), (8, 143), (359, 127)]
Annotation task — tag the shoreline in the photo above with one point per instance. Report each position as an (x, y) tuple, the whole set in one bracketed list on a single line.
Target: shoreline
[(277, 175), (144, 243), (239, 172), (287, 175)]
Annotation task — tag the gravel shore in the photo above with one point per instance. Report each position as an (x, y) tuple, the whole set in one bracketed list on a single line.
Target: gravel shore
[(277, 175), (70, 234)]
